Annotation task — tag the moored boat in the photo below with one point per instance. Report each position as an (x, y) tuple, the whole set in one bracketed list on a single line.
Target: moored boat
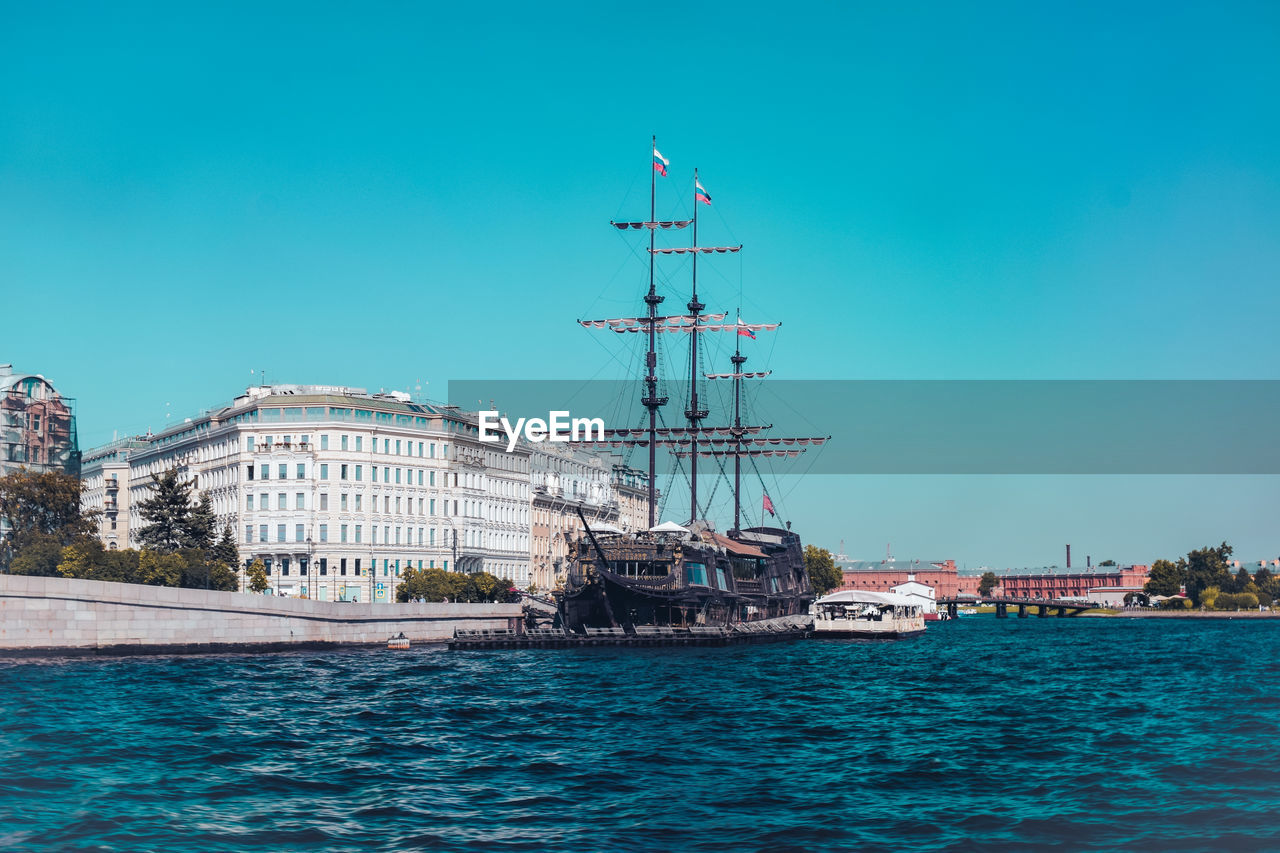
[(866, 615)]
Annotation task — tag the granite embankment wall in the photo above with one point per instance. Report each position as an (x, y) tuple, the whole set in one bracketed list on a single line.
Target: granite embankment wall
[(87, 617)]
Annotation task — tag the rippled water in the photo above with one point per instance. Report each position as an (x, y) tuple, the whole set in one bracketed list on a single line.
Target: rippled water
[(1009, 734)]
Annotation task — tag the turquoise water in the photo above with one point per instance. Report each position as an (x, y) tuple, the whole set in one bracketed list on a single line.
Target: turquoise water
[(982, 734)]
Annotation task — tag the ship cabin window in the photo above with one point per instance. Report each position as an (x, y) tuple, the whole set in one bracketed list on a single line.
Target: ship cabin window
[(640, 568), (697, 573)]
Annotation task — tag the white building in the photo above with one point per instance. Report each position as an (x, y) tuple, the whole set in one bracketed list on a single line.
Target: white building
[(920, 594), (338, 491)]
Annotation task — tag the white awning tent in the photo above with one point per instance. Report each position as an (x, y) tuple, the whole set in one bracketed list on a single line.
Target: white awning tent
[(668, 527), (605, 527), (866, 596)]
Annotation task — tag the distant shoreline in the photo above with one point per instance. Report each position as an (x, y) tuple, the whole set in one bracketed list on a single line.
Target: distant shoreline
[(1191, 614)]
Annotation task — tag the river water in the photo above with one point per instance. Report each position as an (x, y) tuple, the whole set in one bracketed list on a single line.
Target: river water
[(982, 734)]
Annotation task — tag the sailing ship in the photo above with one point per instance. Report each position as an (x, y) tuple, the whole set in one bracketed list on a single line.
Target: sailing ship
[(687, 575)]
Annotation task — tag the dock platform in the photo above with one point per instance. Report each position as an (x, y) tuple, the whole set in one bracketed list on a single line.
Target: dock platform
[(766, 631)]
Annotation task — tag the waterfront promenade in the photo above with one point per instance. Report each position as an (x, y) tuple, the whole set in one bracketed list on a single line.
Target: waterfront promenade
[(61, 615)]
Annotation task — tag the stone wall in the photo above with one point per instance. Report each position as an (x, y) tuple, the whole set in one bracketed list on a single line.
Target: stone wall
[(77, 616)]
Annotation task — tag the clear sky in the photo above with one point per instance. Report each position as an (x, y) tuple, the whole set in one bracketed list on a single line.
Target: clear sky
[(394, 194)]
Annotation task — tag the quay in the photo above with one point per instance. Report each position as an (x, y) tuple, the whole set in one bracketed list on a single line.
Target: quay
[(782, 629)]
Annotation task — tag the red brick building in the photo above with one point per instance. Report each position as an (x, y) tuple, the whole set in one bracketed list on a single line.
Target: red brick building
[(883, 575), (1063, 584)]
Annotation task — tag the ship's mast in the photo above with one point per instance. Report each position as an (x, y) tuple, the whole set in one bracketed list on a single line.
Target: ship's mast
[(738, 360), (694, 413), (651, 399)]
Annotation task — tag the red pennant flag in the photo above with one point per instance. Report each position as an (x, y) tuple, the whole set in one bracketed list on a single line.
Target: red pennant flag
[(768, 505)]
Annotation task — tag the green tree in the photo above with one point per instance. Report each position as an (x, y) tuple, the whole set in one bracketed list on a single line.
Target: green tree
[(1207, 567), (39, 555), (158, 569), (1241, 580), (431, 584), (1209, 596), (168, 515), (1165, 578), (824, 575), (1107, 563), (42, 510), (201, 524), (224, 551), (987, 582), (1268, 585), (256, 574)]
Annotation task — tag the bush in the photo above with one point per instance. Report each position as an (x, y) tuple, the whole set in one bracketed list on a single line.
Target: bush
[(1236, 601)]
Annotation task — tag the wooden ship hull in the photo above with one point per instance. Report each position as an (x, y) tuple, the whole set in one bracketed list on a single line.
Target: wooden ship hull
[(684, 580)]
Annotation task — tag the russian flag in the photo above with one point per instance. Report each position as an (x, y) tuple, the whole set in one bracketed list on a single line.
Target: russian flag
[(700, 192), (743, 330), (660, 163)]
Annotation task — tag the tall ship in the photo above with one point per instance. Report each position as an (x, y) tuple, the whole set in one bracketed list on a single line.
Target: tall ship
[(686, 573)]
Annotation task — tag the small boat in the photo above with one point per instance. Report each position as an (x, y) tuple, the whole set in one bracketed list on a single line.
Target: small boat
[(399, 643), (866, 615)]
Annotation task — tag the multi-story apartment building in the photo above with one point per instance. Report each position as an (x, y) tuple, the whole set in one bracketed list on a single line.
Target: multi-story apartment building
[(102, 473), (338, 491), (37, 427)]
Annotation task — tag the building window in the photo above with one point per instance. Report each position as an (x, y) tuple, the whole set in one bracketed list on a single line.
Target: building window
[(432, 448), (359, 501), (324, 565), (373, 473), (266, 472), (324, 445), (248, 533), (324, 471), (262, 533), (386, 505), (300, 501), (284, 471), (248, 503), (357, 565), (432, 479), (358, 467), (298, 535), (358, 539), (342, 536), (279, 532), (386, 447), (344, 447), (302, 471), (342, 473), (342, 563), (248, 443), (324, 533), (282, 502), (324, 500), (249, 470), (397, 475), (342, 502), (359, 442)]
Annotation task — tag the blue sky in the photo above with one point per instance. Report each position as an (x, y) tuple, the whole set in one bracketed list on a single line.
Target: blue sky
[(394, 193)]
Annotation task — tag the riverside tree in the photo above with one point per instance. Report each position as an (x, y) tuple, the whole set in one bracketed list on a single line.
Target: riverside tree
[(1166, 577), (987, 582), (256, 575), (173, 522), (824, 575), (1207, 567), (43, 512)]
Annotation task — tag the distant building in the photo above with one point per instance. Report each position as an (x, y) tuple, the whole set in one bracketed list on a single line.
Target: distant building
[(921, 594), (337, 491), (884, 575), (1053, 583), (37, 425)]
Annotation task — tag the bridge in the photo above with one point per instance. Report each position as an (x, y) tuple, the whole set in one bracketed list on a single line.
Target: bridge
[(1003, 603)]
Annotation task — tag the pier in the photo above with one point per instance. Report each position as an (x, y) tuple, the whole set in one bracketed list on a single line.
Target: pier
[(741, 633)]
